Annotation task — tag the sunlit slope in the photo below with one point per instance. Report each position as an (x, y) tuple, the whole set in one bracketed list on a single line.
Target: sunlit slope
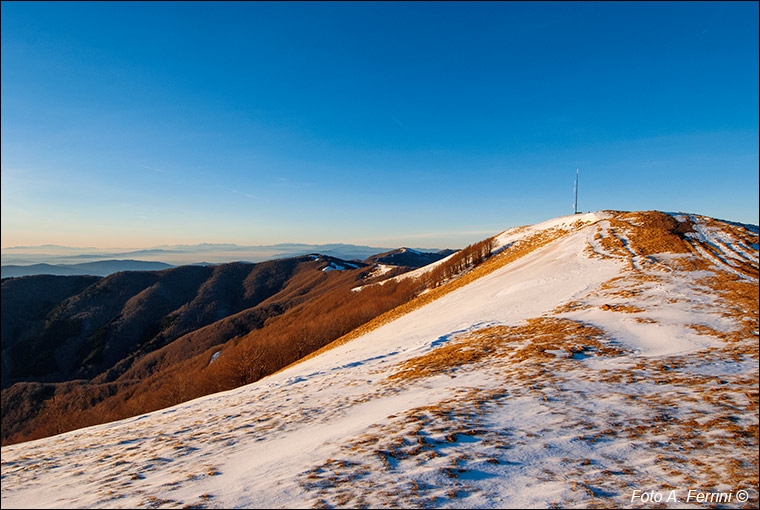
[(590, 356)]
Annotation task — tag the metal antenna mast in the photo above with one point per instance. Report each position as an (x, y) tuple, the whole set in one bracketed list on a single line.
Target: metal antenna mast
[(575, 204)]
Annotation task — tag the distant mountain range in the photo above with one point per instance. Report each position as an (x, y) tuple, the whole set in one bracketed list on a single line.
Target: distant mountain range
[(406, 257), (177, 255), (99, 268)]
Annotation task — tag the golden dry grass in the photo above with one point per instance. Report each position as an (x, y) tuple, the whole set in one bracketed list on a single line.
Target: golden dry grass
[(695, 428), (533, 340), (653, 232), (621, 308)]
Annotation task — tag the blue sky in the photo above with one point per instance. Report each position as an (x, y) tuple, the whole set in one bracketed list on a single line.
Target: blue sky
[(388, 124)]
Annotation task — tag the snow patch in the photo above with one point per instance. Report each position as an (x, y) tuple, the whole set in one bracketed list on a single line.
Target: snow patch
[(340, 267)]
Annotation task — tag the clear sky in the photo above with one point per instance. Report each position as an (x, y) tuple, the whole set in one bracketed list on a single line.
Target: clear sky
[(389, 124)]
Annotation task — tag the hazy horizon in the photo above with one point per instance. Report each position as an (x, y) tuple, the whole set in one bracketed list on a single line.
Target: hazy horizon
[(188, 254), (432, 124)]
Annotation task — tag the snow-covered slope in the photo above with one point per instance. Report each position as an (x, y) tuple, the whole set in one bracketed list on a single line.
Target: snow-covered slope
[(594, 355)]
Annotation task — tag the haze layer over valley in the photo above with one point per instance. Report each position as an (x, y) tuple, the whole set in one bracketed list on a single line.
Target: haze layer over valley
[(178, 255)]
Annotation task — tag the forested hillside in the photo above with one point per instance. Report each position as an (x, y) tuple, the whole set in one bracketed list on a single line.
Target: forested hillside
[(78, 351), (83, 350)]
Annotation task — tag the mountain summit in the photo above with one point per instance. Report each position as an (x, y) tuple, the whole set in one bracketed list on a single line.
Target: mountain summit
[(580, 362), (408, 257)]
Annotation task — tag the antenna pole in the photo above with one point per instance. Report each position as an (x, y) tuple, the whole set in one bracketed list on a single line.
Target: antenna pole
[(575, 204)]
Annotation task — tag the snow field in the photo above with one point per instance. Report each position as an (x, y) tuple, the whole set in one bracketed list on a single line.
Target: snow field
[(568, 377)]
